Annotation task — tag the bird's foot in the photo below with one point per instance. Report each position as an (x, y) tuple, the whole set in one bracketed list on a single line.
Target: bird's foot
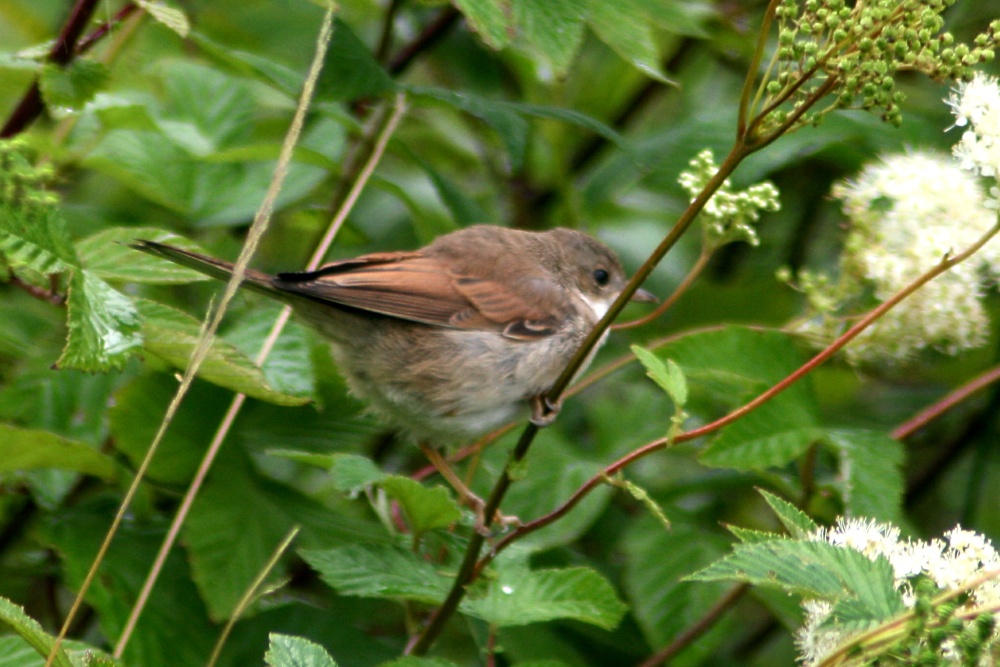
[(544, 410)]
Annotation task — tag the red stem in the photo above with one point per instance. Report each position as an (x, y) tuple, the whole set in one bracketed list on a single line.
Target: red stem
[(932, 412)]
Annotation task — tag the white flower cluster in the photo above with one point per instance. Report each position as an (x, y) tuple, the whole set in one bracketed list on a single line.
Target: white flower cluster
[(960, 559), (728, 215), (907, 212), (976, 105)]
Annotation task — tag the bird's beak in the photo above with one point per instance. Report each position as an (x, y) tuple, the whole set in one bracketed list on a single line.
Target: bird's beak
[(644, 296)]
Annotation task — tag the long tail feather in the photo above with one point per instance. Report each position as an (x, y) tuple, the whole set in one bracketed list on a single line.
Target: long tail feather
[(215, 268)]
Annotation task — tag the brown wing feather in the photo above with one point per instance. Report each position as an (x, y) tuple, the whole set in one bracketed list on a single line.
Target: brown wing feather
[(522, 319), (405, 285), (415, 287)]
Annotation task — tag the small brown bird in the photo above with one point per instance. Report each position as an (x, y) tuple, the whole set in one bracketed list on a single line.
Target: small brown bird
[(450, 341)]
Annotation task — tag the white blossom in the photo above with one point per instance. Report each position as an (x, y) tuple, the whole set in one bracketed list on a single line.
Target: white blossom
[(907, 213), (976, 105), (960, 559)]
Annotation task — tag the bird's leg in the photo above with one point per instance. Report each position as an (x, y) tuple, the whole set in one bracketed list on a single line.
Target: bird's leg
[(465, 494), (544, 410)]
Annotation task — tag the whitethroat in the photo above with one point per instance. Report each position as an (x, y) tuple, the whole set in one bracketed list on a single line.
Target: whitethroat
[(453, 340)]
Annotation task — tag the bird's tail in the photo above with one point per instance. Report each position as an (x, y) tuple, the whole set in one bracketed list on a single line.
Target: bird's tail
[(215, 268)]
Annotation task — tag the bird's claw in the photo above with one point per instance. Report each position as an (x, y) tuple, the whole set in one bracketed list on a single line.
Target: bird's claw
[(544, 410)]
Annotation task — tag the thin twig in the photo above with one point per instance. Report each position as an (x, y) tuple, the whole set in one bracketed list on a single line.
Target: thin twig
[(689, 280), (62, 53), (385, 40), (251, 593), (431, 35), (37, 292), (932, 412), (698, 628)]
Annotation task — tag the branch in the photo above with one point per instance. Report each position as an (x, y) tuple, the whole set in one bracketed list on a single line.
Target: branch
[(431, 35), (932, 412), (699, 627), (62, 53)]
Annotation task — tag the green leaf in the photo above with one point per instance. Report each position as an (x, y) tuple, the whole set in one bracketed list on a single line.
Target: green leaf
[(656, 560), (31, 631), (30, 449), (813, 569), (795, 521), (106, 256), (104, 326), (350, 71), (510, 126), (289, 651), (230, 533), (251, 65), (351, 473), (72, 86), (418, 661), (508, 119), (135, 413), (379, 571), (571, 117), (737, 364), (491, 19), (173, 335), (555, 469), (736, 361), (553, 28), (148, 162), (289, 366), (168, 16), (75, 533), (32, 232), (681, 17), (171, 163), (519, 597), (223, 119), (668, 375), (769, 436), (464, 209), (626, 28), (425, 508), (16, 61), (871, 473), (754, 536)]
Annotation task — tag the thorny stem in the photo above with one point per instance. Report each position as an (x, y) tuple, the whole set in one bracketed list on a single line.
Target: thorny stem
[(944, 265)]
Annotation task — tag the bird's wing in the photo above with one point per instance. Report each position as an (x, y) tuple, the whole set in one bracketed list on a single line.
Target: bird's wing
[(412, 286)]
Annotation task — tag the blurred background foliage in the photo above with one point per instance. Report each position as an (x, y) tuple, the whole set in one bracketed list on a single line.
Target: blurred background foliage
[(583, 117)]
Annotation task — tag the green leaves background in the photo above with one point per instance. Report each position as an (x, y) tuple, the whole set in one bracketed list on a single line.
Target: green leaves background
[(525, 112)]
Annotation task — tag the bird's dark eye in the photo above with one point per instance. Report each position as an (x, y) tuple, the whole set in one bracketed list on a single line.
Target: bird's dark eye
[(601, 277)]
